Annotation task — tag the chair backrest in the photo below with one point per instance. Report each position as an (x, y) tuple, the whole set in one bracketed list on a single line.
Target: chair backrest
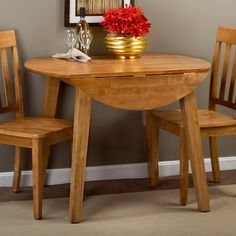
[(10, 102), (223, 76)]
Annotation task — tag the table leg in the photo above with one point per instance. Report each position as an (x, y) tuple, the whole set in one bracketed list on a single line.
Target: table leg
[(51, 97), (152, 148), (49, 111), (79, 153), (190, 118)]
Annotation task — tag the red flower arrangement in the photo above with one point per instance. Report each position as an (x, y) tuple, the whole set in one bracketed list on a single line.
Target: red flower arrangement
[(128, 20)]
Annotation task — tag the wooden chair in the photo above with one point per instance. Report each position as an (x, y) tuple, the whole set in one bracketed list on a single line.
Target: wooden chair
[(212, 123), (26, 132)]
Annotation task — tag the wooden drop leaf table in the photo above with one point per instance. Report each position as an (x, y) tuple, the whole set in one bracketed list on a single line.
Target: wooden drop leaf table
[(146, 83)]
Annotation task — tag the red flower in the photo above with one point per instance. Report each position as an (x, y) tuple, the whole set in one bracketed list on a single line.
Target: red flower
[(128, 20)]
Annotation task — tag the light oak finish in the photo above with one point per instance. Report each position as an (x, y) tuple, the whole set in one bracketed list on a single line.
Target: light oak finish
[(37, 165), (212, 123), (29, 132), (49, 110), (140, 84), (149, 64), (152, 147), (17, 169), (183, 167), (50, 99), (142, 92), (79, 153), (191, 125)]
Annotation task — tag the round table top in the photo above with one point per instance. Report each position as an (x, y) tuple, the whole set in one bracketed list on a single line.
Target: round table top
[(104, 66)]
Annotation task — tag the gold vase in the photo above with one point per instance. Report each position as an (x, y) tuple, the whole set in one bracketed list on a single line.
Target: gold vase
[(125, 46)]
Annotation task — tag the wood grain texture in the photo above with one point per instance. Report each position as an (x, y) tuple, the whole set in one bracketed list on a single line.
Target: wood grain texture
[(33, 127), (7, 39), (79, 153), (148, 64), (50, 97), (207, 118), (214, 159), (5, 76), (212, 123), (152, 146), (232, 82), (226, 35), (214, 76), (225, 72), (16, 141), (147, 89), (219, 131), (184, 166), (17, 169), (141, 92), (141, 84), (192, 131), (223, 54), (51, 93), (19, 103), (37, 167), (35, 133)]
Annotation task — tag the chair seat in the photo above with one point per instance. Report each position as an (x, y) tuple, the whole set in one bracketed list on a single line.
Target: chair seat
[(30, 127), (207, 118)]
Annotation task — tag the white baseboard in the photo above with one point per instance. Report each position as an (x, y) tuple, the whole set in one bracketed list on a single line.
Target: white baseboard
[(111, 172)]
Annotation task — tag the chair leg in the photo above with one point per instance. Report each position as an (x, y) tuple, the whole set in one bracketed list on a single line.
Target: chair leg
[(184, 169), (17, 169), (152, 146), (215, 159), (46, 151), (37, 165)]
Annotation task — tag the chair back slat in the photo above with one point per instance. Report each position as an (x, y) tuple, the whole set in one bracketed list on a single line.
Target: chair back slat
[(222, 88), (5, 75), (232, 82), (214, 75), (225, 71), (18, 82), (13, 102)]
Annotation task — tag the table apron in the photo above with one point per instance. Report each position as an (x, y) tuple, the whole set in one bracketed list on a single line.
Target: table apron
[(140, 93)]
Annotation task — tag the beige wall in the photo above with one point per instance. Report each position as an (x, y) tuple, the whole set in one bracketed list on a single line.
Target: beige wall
[(178, 26)]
